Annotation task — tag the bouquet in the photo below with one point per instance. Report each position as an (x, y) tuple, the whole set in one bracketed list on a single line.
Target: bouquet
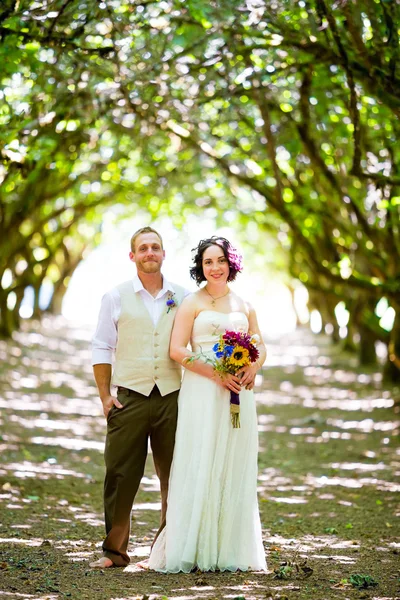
[(234, 350)]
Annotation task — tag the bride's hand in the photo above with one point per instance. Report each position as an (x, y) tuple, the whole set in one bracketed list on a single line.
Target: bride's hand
[(228, 381), (247, 376)]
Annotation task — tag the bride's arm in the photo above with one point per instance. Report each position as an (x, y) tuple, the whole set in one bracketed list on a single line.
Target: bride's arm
[(249, 372), (254, 329), (179, 352)]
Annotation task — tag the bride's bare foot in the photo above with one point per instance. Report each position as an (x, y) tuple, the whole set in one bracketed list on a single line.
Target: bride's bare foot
[(102, 563), (143, 564)]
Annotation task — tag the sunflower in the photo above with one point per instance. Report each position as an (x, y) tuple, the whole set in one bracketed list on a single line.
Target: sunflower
[(239, 356)]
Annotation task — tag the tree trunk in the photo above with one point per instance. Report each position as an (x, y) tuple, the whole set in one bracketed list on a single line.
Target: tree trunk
[(349, 343), (60, 289), (9, 319), (55, 305), (292, 290), (327, 311), (392, 367), (36, 308), (368, 337), (367, 352)]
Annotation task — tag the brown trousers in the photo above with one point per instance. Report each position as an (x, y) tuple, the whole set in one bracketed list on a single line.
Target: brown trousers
[(128, 432)]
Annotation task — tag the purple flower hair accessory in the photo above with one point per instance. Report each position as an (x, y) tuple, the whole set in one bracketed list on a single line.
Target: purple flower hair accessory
[(235, 258)]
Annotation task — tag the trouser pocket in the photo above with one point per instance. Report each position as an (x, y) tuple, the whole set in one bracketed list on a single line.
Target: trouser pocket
[(122, 394)]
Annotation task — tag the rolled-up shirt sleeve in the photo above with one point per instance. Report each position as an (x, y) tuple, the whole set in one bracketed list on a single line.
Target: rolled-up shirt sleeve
[(104, 340)]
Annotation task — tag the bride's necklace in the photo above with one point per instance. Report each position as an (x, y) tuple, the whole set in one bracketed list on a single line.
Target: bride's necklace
[(213, 298)]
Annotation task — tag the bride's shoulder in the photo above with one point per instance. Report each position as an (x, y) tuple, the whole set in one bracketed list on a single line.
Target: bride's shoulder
[(249, 306), (252, 318), (243, 305), (191, 301)]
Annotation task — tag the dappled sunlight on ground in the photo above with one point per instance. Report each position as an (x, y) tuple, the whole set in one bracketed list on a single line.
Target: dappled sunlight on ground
[(69, 443), (366, 425), (329, 468), (28, 596), (45, 471)]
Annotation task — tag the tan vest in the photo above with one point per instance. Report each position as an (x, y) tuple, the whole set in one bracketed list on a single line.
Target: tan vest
[(142, 353)]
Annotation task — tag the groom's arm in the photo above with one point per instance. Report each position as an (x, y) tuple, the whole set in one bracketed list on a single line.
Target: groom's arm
[(102, 376), (103, 346)]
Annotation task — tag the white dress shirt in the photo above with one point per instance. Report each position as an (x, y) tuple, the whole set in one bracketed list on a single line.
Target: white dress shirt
[(105, 338)]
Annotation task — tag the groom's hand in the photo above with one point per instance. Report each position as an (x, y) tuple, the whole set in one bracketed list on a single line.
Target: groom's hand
[(107, 402)]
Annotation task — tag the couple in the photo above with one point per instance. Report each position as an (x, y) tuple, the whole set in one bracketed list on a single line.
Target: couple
[(212, 520)]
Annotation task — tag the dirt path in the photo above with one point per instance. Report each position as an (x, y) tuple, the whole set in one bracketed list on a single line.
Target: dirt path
[(327, 479)]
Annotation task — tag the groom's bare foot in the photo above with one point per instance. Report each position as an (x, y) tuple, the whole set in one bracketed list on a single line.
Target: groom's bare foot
[(102, 563)]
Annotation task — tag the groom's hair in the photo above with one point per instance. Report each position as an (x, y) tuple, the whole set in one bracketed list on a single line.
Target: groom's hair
[(143, 230)]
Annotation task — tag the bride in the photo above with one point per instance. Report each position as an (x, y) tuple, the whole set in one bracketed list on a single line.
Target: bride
[(213, 521)]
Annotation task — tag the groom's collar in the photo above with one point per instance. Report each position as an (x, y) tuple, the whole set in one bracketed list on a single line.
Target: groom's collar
[(167, 286)]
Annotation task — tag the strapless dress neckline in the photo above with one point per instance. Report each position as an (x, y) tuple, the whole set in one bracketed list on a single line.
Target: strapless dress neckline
[(218, 312), (210, 324)]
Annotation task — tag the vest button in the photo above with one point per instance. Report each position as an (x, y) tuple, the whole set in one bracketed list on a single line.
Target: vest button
[(156, 356), (156, 333), (156, 377), (156, 367)]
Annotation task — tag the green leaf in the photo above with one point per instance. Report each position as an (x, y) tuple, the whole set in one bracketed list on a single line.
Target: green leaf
[(331, 530), (362, 581)]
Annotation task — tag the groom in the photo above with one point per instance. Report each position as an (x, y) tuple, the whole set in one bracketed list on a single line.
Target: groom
[(135, 321)]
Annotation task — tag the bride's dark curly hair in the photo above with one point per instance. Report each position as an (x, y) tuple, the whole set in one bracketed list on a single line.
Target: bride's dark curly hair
[(232, 256)]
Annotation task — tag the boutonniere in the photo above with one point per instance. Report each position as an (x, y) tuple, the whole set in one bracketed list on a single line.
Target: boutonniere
[(171, 302)]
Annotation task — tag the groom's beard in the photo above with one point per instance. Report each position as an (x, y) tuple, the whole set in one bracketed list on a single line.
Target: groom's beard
[(149, 266)]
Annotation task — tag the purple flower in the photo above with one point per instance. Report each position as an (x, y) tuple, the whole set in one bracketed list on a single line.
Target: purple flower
[(240, 338)]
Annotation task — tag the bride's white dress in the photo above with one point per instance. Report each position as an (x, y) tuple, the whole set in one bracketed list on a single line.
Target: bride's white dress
[(212, 519)]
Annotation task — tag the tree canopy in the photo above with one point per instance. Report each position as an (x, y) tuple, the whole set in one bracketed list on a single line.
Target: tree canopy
[(285, 112)]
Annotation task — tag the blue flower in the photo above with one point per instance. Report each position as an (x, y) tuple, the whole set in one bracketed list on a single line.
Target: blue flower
[(171, 302), (229, 350), (216, 347)]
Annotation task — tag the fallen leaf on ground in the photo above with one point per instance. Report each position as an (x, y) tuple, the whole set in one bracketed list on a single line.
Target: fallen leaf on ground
[(307, 571)]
